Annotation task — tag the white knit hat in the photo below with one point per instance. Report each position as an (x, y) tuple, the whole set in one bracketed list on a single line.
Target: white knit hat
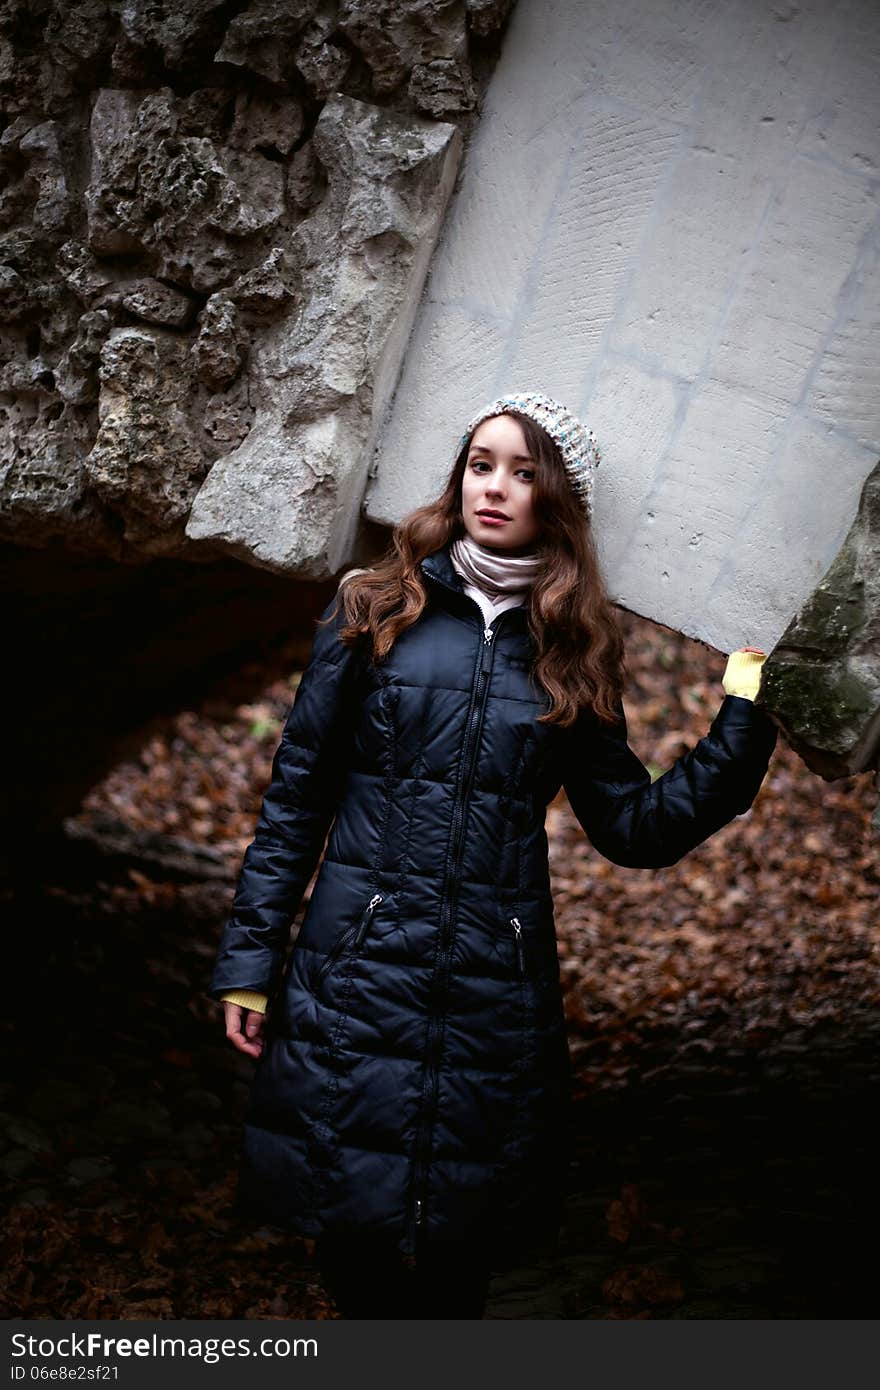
[(577, 444)]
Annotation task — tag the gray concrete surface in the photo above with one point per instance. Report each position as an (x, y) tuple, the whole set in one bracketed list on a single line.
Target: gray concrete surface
[(668, 218)]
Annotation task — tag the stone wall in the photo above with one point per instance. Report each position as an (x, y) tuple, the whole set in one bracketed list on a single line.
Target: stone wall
[(215, 220)]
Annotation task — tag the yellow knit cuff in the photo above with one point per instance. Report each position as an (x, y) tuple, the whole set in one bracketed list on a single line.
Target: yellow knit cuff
[(248, 999), (742, 674)]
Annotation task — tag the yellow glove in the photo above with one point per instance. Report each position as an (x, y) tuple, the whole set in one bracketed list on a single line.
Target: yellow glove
[(248, 999), (742, 674)]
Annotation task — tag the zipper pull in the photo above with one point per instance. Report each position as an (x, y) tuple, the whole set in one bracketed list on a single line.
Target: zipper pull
[(418, 1210), (486, 661), (520, 953), (365, 920), (488, 634)]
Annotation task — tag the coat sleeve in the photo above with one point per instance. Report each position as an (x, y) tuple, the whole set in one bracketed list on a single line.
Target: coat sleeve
[(308, 772), (649, 825)]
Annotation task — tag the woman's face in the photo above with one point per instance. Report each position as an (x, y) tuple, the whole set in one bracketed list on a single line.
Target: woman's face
[(499, 479)]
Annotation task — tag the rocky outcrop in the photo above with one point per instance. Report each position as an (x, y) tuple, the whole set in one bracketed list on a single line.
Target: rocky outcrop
[(822, 678), (289, 496), (214, 224)]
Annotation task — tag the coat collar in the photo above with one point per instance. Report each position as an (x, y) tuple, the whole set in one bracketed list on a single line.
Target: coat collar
[(438, 566)]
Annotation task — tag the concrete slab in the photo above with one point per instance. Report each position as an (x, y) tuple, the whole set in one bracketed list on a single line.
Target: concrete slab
[(668, 218)]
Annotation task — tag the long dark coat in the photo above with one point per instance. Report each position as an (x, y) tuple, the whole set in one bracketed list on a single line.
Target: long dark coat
[(415, 1075)]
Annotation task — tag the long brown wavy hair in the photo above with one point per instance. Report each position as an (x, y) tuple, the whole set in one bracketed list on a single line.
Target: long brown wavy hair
[(579, 652)]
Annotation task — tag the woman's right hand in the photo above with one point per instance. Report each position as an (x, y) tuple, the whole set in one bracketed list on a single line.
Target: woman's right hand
[(245, 1028)]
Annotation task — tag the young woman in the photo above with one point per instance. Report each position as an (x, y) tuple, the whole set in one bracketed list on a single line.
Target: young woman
[(410, 1103)]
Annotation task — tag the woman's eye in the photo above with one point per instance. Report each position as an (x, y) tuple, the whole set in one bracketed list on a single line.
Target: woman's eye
[(527, 473)]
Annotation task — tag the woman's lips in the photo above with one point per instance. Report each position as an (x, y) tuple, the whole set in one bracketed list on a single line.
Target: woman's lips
[(493, 520)]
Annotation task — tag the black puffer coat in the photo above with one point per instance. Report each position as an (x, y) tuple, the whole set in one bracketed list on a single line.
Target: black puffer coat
[(415, 1074)]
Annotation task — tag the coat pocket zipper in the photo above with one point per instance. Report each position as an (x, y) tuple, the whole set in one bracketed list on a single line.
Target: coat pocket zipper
[(518, 941), (357, 933)]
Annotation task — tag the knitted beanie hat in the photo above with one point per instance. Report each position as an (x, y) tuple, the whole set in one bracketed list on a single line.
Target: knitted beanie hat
[(577, 444)]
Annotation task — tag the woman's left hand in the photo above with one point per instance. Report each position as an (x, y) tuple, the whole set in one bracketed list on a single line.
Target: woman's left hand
[(743, 677)]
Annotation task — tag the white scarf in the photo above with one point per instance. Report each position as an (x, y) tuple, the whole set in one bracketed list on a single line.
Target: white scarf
[(494, 580)]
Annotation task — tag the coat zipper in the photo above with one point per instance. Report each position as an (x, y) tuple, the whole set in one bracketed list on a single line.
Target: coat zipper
[(518, 941), (358, 931), (365, 920), (469, 751)]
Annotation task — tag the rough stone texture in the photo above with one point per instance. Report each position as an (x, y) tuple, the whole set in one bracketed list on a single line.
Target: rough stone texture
[(485, 16), (667, 218), (442, 88), (289, 495), (823, 676), (219, 351), (181, 197), (156, 164), (395, 38), (265, 124), (155, 302), (146, 463), (180, 33), (264, 36)]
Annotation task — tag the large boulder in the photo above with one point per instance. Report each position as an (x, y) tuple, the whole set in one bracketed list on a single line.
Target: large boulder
[(823, 676)]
